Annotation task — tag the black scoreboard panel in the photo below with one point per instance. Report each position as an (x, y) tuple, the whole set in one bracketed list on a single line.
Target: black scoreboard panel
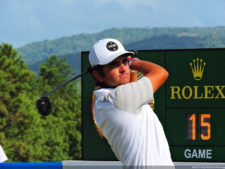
[(195, 104), (190, 106)]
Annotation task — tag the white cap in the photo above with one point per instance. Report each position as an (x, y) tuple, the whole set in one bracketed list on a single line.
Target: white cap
[(106, 50)]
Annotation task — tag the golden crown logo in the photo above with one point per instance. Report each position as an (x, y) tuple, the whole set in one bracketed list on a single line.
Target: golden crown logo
[(197, 67)]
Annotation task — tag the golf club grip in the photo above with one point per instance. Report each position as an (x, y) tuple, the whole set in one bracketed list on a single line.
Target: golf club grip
[(133, 76)]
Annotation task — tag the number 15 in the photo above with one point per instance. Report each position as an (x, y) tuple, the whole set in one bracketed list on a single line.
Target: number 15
[(205, 126)]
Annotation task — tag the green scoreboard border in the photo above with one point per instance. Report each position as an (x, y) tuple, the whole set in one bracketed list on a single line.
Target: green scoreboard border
[(195, 86)]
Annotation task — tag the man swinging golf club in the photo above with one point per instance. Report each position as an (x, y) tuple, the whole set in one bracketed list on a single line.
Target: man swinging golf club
[(120, 107)]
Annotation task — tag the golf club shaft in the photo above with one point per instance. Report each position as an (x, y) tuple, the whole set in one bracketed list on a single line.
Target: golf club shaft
[(58, 87)]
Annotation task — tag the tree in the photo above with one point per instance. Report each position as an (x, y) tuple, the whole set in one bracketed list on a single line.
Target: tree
[(16, 107), (64, 123), (26, 135)]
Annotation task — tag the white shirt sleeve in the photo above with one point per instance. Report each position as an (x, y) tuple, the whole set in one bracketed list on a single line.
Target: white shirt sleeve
[(131, 96), (2, 155)]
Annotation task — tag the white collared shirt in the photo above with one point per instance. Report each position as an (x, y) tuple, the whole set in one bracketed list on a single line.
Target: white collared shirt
[(132, 129)]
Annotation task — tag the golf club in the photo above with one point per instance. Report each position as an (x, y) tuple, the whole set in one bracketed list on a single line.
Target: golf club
[(44, 105)]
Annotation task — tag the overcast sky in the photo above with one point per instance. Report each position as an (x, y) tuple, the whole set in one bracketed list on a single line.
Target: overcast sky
[(26, 21)]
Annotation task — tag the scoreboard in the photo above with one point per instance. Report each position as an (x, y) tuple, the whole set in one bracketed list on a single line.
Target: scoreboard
[(190, 106)]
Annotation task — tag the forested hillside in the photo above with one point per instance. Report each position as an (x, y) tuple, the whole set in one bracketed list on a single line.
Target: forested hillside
[(133, 38)]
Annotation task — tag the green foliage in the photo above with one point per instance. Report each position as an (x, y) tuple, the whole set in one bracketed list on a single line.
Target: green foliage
[(15, 100), (65, 118), (24, 134)]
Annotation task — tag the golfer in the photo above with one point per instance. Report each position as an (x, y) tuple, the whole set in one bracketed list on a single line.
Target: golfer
[(120, 107)]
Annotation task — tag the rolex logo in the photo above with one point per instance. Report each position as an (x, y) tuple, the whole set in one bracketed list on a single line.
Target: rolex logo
[(197, 67)]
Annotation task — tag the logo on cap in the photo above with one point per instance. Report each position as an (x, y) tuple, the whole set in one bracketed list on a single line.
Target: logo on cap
[(112, 46)]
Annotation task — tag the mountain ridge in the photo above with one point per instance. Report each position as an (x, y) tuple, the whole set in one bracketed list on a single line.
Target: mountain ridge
[(132, 38)]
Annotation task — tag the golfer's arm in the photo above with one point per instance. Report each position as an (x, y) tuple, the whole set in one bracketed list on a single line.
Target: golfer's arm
[(154, 72)]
